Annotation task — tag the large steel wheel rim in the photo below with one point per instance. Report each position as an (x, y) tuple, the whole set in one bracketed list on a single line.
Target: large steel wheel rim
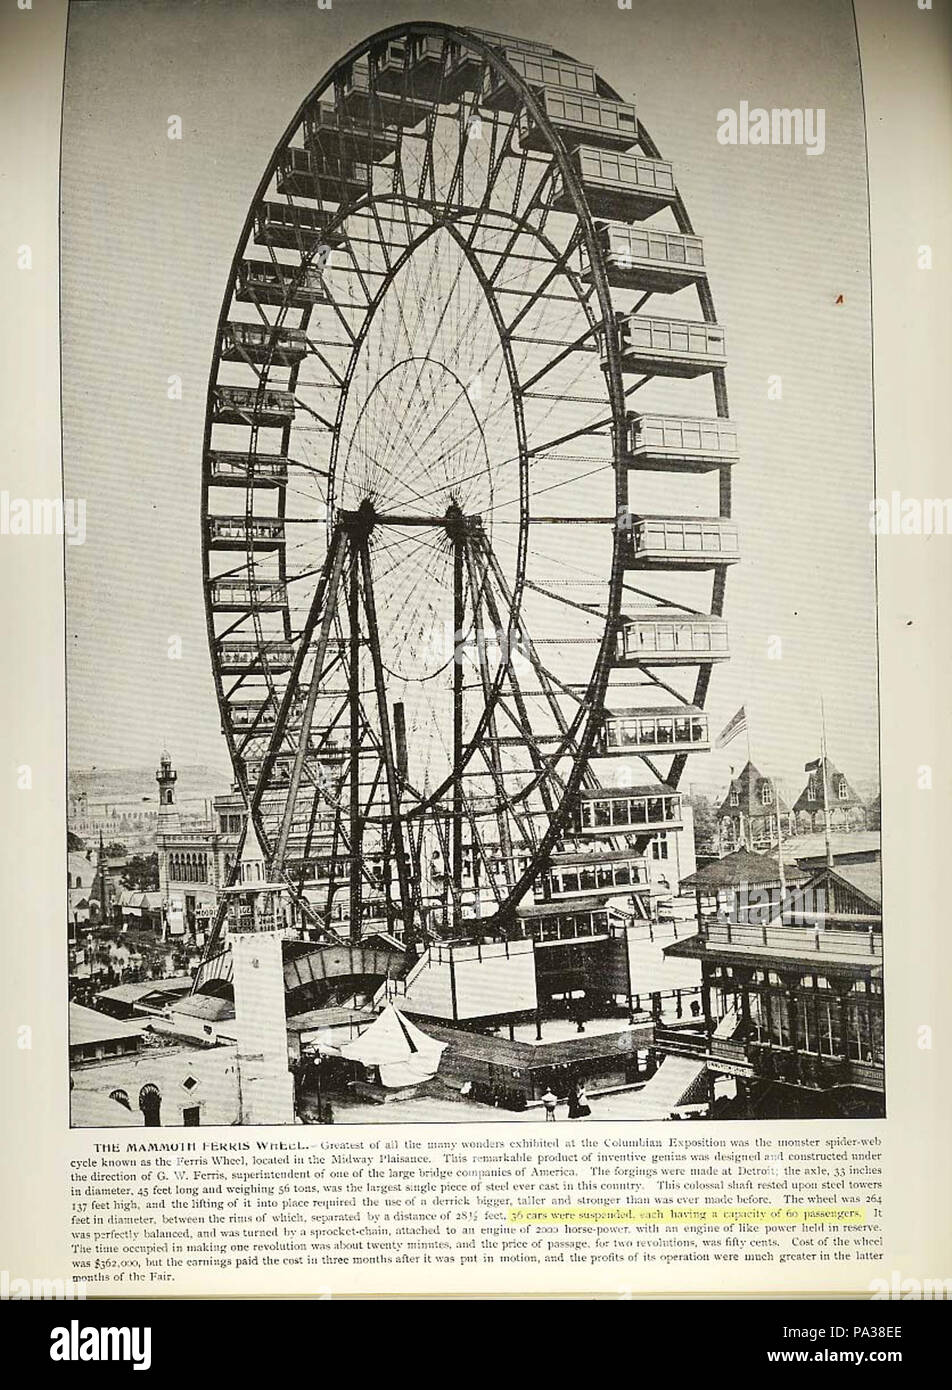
[(453, 201)]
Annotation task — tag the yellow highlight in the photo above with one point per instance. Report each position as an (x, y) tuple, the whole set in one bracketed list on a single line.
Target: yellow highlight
[(685, 1216)]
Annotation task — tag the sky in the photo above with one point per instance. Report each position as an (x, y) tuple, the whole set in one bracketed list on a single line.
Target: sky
[(149, 228)]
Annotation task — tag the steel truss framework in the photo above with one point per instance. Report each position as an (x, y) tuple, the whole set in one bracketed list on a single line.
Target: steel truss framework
[(419, 480)]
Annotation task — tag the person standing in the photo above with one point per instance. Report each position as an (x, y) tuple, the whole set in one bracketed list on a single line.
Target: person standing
[(582, 1106)]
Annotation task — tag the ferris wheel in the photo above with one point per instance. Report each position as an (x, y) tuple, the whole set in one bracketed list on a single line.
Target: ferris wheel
[(466, 488)]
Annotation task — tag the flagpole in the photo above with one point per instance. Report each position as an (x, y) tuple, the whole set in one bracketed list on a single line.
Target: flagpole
[(826, 808), (726, 736), (750, 763), (783, 883)]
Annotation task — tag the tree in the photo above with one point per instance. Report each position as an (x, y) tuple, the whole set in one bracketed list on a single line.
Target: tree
[(705, 823), (73, 842), (115, 850), (141, 872)]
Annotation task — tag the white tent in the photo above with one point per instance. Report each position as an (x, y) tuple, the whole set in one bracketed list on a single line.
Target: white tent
[(403, 1054)]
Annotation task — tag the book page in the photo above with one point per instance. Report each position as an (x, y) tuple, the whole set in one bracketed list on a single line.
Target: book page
[(470, 532)]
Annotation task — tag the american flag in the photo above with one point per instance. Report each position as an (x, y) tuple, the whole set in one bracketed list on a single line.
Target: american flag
[(737, 725)]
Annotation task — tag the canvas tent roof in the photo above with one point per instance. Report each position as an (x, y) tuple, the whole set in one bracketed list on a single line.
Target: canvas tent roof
[(402, 1052), (132, 898)]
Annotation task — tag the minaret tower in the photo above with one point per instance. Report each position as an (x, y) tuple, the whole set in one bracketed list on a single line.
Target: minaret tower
[(256, 915), (166, 825), (103, 888), (166, 776)]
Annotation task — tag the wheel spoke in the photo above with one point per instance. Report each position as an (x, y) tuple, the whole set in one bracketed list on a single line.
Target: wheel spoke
[(418, 603)]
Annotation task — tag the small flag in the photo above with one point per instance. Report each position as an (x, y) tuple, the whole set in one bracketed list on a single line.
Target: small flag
[(812, 767), (737, 725)]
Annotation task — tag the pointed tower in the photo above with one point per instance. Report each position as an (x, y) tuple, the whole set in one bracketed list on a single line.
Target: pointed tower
[(828, 801), (256, 916), (167, 824), (101, 880), (747, 817), (166, 776)]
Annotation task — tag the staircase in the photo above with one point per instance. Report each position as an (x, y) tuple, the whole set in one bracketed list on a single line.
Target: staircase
[(678, 1079), (673, 1084), (394, 988)]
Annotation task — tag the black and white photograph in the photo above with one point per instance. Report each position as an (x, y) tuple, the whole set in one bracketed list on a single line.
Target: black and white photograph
[(470, 517)]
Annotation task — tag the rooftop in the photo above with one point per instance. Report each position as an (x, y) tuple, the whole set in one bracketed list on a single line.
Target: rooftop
[(135, 897), (743, 866), (213, 1008), (132, 993), (329, 1018), (748, 786), (836, 784), (853, 952), (845, 845), (592, 902), (609, 793), (87, 1026), (867, 878), (562, 1042), (594, 855)]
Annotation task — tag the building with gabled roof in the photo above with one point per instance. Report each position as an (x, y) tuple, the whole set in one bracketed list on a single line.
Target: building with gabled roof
[(837, 802), (78, 900), (747, 817), (792, 982), (847, 895)]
